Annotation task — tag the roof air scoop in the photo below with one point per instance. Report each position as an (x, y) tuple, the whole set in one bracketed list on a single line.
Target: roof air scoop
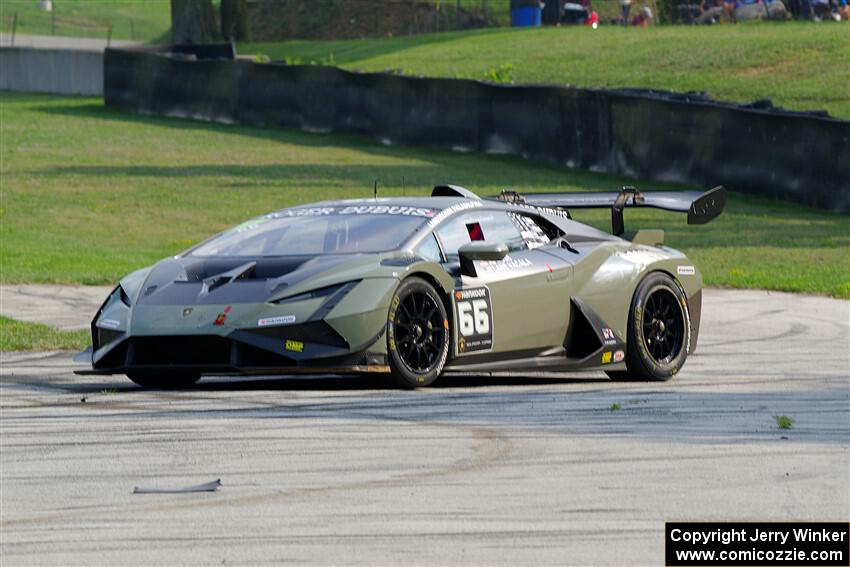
[(453, 191), (218, 280)]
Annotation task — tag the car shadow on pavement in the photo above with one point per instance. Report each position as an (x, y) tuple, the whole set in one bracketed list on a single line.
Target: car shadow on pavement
[(339, 383)]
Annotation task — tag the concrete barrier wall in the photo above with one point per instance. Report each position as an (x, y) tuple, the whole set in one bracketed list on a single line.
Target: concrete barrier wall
[(665, 137), (58, 71)]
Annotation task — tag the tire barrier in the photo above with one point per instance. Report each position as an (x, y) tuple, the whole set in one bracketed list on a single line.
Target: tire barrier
[(678, 138)]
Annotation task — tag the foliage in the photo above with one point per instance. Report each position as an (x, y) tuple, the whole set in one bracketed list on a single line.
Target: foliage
[(502, 74), (783, 421)]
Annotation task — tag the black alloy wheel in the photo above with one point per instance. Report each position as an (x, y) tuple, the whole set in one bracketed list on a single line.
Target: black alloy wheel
[(663, 325), (417, 334), (659, 331)]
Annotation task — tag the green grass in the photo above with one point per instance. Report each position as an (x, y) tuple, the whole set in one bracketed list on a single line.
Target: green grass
[(17, 335), (783, 421), (90, 194), (140, 20), (799, 65)]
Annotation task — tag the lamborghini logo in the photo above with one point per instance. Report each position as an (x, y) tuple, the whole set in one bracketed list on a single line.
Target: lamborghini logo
[(187, 311)]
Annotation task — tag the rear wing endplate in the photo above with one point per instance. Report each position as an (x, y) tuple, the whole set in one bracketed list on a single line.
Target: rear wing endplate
[(700, 207)]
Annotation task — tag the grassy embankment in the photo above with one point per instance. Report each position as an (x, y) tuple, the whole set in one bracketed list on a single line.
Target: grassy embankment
[(798, 65)]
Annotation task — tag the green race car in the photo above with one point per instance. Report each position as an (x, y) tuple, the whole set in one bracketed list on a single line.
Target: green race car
[(414, 287)]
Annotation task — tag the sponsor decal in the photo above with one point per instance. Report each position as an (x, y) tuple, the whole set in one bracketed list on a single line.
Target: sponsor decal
[(474, 316), (272, 321), (306, 212), (186, 311), (608, 336), (109, 323), (388, 210), (507, 264), (686, 270), (533, 235), (453, 209), (251, 224), (545, 210), (641, 257), (606, 358), (222, 317), (619, 356), (353, 210), (294, 346)]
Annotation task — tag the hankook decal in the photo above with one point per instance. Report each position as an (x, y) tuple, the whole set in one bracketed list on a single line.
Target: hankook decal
[(474, 316)]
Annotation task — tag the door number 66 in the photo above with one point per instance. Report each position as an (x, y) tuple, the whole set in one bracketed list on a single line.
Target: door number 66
[(474, 317)]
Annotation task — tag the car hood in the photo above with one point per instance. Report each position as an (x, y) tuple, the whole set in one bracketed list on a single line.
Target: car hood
[(220, 280)]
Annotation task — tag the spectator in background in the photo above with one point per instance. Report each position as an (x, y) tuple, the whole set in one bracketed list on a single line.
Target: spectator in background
[(625, 7), (749, 10), (710, 12), (643, 18), (829, 9)]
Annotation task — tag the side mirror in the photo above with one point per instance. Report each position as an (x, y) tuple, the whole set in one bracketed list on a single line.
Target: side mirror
[(487, 251)]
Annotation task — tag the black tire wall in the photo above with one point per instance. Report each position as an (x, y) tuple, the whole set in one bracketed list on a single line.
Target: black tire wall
[(799, 157)]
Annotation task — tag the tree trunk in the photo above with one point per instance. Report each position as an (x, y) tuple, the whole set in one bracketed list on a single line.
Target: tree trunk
[(193, 22), (234, 20)]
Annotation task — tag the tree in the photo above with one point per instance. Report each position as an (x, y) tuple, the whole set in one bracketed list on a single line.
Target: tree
[(234, 19), (192, 22)]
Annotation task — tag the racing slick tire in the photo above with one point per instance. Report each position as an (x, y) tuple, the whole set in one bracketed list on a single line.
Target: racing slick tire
[(417, 334), (163, 380), (659, 331)]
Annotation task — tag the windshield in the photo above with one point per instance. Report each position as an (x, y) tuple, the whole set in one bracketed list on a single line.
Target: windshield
[(325, 230)]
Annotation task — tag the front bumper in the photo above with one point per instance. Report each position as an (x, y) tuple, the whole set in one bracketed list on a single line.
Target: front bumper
[(311, 347)]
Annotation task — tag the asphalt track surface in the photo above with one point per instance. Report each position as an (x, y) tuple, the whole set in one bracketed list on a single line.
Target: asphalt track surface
[(478, 470)]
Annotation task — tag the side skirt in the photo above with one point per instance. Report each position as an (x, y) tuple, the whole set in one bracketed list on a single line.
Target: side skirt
[(523, 360)]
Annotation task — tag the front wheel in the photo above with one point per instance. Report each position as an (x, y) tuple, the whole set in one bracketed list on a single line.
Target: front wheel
[(417, 334), (163, 379), (659, 331)]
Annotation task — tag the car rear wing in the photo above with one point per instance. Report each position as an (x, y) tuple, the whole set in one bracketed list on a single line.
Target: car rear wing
[(700, 207)]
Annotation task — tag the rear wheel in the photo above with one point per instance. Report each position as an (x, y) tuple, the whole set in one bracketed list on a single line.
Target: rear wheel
[(659, 331), (417, 334), (163, 379)]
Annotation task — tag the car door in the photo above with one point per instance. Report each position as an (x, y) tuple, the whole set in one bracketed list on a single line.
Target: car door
[(513, 304)]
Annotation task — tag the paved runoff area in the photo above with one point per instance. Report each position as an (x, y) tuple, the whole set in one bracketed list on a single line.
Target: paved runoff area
[(477, 470)]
